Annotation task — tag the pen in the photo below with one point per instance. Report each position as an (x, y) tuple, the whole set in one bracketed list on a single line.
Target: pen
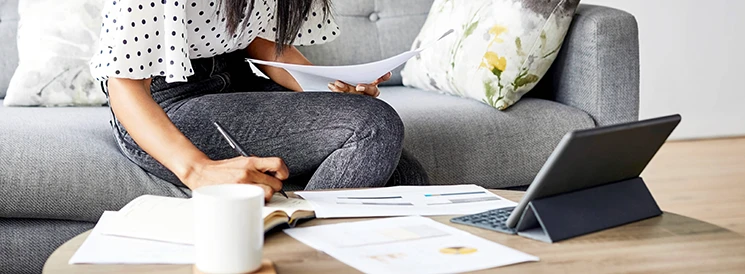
[(238, 148)]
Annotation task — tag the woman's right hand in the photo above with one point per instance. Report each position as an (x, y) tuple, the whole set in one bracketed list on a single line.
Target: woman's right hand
[(266, 173)]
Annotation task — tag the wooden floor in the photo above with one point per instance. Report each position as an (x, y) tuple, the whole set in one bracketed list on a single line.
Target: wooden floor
[(701, 179)]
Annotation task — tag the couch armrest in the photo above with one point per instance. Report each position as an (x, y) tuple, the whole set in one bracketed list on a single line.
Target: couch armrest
[(597, 69)]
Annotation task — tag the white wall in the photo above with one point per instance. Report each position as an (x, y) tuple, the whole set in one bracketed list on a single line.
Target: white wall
[(692, 63)]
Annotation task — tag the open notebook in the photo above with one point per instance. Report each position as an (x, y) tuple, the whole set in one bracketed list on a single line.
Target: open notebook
[(171, 219)]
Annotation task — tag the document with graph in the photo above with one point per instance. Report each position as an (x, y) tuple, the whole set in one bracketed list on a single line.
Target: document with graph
[(401, 244), (404, 201)]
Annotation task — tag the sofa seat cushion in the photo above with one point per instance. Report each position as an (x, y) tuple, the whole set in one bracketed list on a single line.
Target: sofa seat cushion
[(63, 163), (462, 141)]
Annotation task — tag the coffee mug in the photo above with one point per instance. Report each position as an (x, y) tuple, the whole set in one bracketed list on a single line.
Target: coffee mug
[(228, 228)]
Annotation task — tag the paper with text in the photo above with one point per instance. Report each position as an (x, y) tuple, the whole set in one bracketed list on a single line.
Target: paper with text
[(404, 201), (400, 245)]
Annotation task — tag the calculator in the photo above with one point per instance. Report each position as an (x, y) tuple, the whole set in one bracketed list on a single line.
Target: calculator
[(495, 219)]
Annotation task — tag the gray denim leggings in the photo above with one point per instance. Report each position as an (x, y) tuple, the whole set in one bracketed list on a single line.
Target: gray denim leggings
[(327, 140)]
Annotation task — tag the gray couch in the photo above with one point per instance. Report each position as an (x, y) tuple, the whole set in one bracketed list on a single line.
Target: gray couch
[(60, 167)]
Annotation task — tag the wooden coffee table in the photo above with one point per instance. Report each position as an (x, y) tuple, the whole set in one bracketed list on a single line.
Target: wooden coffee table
[(670, 243)]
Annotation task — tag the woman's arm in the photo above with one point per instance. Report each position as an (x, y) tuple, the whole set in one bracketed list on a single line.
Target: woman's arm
[(135, 108), (263, 49), (153, 131)]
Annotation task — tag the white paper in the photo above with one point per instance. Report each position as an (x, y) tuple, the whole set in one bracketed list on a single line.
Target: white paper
[(317, 78), (171, 220), (404, 201), (407, 245), (166, 219), (289, 206), (104, 249)]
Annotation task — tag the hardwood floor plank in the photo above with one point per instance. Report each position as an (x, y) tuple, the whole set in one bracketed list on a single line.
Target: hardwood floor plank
[(703, 179)]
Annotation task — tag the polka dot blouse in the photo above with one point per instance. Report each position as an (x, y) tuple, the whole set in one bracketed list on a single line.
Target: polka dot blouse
[(142, 39)]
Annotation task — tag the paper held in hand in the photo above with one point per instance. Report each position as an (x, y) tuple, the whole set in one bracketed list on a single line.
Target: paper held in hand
[(317, 78)]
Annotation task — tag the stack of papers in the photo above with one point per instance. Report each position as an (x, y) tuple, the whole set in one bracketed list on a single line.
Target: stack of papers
[(407, 245), (404, 201)]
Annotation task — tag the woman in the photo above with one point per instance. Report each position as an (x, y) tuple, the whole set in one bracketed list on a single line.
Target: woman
[(170, 68)]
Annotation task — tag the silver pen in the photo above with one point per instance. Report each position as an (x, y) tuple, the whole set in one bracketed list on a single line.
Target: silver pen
[(238, 148)]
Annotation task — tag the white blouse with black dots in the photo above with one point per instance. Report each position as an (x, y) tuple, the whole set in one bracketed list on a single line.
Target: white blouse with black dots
[(141, 39)]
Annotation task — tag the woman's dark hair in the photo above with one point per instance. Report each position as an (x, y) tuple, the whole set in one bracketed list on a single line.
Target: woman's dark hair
[(290, 16)]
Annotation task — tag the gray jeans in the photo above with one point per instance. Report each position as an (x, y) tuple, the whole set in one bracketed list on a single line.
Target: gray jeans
[(327, 140)]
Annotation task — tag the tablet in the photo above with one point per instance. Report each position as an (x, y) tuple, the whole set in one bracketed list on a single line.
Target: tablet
[(597, 156)]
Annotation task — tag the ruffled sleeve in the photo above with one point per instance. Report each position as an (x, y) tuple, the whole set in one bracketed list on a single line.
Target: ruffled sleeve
[(143, 39), (318, 28)]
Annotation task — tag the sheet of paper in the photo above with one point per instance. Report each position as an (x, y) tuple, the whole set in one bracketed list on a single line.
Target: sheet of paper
[(156, 218), (401, 245), (317, 78), (104, 249), (404, 201), (171, 219)]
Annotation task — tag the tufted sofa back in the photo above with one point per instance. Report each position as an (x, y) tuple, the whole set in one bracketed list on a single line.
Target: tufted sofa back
[(371, 30)]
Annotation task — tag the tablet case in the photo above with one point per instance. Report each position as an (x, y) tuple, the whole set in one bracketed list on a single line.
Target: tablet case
[(572, 214)]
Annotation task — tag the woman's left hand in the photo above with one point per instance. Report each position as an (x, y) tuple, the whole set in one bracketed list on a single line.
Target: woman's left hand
[(363, 89)]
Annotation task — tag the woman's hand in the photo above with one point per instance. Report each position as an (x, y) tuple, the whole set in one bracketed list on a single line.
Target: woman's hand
[(363, 89), (266, 173)]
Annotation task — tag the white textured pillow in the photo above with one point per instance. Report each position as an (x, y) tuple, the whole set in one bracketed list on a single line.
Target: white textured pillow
[(500, 50), (56, 39)]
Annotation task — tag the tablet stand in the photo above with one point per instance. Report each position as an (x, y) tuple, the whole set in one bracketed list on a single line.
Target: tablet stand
[(572, 214)]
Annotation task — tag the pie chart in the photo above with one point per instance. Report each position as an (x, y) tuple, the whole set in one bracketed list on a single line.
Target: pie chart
[(458, 250)]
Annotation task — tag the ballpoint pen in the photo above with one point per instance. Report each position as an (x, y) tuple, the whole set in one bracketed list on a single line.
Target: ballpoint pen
[(237, 147)]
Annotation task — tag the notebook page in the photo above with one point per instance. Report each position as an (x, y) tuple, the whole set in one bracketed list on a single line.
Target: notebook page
[(289, 206)]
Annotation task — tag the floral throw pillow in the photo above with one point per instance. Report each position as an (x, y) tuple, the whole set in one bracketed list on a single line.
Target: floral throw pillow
[(499, 51), (56, 39)]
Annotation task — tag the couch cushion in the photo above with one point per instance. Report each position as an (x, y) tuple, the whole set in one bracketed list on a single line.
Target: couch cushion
[(63, 163), (8, 49), (462, 141), (371, 30)]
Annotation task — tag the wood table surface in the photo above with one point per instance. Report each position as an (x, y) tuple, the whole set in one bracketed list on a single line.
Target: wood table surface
[(669, 243)]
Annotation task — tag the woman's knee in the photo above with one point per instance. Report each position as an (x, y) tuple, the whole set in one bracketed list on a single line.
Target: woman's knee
[(379, 120)]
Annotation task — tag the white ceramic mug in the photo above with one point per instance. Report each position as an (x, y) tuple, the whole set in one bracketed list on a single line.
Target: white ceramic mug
[(228, 228)]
